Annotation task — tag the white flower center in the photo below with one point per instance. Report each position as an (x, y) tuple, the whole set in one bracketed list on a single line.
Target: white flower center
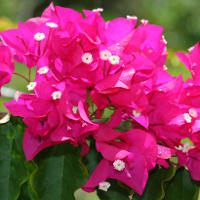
[(163, 39), (87, 58), (187, 117), (144, 21), (39, 36), (84, 124), (119, 165), (17, 95), (43, 70), (131, 17), (105, 55), (56, 95), (193, 112), (31, 86), (114, 60), (165, 67), (191, 49), (104, 186), (98, 10), (136, 113), (69, 128), (51, 24), (186, 147), (150, 51)]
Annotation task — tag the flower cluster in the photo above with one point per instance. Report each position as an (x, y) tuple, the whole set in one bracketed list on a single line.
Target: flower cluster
[(106, 80)]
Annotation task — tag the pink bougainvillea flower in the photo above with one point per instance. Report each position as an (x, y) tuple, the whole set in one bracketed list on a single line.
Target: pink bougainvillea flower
[(6, 65), (27, 42), (127, 160), (192, 62), (51, 118)]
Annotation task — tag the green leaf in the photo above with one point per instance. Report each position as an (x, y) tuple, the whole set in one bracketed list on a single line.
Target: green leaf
[(92, 159), (12, 168), (60, 172), (181, 187), (155, 186), (24, 195), (117, 191)]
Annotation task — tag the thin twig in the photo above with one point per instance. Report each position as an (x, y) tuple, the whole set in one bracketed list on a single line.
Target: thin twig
[(21, 76)]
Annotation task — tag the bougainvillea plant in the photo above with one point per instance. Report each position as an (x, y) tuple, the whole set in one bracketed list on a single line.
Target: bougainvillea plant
[(117, 121)]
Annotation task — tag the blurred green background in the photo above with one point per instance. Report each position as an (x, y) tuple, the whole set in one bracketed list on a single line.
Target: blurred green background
[(180, 18)]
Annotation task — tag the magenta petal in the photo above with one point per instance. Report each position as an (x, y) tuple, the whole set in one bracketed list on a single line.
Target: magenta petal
[(97, 176), (118, 29), (33, 145), (115, 119), (194, 163), (105, 133), (136, 177), (110, 152), (82, 113), (165, 152)]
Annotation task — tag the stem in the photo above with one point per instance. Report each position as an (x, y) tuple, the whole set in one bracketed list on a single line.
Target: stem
[(21, 76)]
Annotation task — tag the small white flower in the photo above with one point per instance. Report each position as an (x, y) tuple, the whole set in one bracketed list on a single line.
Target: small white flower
[(150, 51), (114, 60), (51, 24), (84, 124), (43, 70), (186, 147), (98, 10), (191, 49), (64, 138), (87, 58), (104, 186), (136, 113), (17, 95), (119, 165), (165, 67), (163, 39), (39, 36), (69, 128), (131, 17), (193, 112), (187, 117), (144, 21), (56, 95), (105, 55), (31, 86)]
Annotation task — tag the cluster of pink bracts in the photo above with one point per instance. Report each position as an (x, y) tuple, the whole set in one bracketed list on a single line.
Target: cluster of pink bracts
[(86, 66)]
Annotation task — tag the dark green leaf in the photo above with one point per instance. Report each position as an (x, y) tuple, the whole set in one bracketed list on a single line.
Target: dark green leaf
[(24, 195), (117, 191), (155, 186), (12, 168), (181, 187), (92, 159), (60, 172)]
